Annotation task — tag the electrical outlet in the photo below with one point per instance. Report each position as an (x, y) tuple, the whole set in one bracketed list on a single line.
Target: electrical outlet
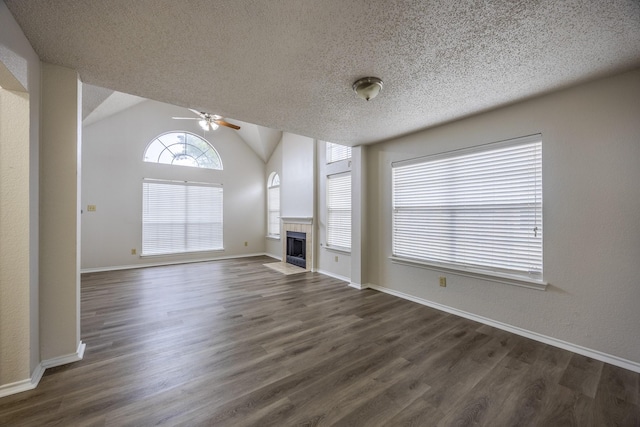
[(91, 208), (133, 251), (443, 281), (246, 243), (336, 258)]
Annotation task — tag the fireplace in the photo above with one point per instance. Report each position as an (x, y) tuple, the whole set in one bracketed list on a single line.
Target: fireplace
[(302, 228), (297, 248)]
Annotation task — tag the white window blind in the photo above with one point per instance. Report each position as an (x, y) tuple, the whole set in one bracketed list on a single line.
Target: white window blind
[(180, 217), (339, 210), (274, 211), (337, 152), (478, 209)]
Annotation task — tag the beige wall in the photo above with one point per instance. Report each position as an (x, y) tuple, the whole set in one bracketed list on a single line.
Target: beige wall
[(591, 205), (15, 231), (19, 135), (59, 213)]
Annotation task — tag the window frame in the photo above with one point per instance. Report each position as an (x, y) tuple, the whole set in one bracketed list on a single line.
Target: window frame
[(188, 224), (533, 280), (337, 152), (187, 136), (272, 186)]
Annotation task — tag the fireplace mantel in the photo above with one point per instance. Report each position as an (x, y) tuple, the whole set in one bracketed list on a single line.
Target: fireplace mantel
[(296, 220)]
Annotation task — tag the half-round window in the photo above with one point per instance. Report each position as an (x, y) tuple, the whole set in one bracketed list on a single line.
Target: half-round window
[(184, 149)]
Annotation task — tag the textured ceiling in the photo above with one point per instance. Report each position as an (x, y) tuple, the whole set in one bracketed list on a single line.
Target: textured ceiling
[(289, 64)]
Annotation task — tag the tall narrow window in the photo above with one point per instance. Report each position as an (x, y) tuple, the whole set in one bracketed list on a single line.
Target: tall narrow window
[(273, 208), (477, 209), (339, 211), (337, 152), (180, 217)]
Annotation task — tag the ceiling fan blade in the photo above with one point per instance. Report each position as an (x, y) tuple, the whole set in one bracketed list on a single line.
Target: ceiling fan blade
[(197, 112), (186, 118), (227, 124)]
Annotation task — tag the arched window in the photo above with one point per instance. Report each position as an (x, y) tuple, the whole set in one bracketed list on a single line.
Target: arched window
[(273, 208), (184, 149)]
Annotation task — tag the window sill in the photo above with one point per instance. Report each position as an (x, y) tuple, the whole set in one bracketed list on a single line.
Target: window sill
[(338, 249), (273, 237), (524, 282)]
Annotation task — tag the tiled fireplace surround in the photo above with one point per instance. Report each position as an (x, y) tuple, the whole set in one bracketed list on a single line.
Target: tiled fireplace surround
[(301, 225)]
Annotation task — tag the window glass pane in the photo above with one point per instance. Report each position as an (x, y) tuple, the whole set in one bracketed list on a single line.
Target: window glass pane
[(180, 217), (166, 157), (273, 205), (153, 151), (274, 211), (337, 152), (479, 208), (174, 142), (195, 151), (339, 210), (183, 149), (185, 160)]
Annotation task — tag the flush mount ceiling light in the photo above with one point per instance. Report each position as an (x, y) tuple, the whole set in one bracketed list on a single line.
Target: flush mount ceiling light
[(368, 87)]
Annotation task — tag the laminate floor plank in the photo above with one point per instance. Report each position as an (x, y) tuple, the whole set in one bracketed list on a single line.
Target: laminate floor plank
[(582, 375), (234, 343)]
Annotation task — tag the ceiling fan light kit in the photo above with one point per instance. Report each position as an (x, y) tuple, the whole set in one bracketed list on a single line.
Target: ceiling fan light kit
[(208, 125), (367, 87)]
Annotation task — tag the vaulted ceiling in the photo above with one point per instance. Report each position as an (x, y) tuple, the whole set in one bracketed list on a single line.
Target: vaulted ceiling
[(289, 64)]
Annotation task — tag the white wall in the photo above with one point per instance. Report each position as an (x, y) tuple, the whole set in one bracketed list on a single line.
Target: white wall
[(333, 262), (359, 233), (113, 170), (591, 185), (19, 204), (297, 179), (273, 247)]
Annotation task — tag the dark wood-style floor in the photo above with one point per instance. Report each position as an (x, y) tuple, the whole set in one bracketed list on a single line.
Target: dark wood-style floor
[(235, 343)]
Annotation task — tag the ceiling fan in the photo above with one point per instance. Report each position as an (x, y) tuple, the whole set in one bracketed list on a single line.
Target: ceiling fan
[(208, 121)]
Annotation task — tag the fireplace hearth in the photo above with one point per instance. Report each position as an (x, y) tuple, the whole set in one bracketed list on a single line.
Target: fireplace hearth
[(297, 248)]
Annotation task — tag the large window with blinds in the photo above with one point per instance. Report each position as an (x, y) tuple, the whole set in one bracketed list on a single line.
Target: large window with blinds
[(339, 211), (337, 152), (478, 209), (179, 217)]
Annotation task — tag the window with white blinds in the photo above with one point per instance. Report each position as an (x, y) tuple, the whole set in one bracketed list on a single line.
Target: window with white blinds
[(339, 210), (273, 205), (180, 217), (337, 152), (476, 209)]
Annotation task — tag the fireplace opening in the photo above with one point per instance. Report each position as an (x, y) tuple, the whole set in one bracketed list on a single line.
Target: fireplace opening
[(297, 248)]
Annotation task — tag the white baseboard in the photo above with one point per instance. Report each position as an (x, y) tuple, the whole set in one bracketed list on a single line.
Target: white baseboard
[(335, 276), (594, 354), (159, 264), (279, 258), (359, 286), (24, 385), (36, 376), (68, 358)]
